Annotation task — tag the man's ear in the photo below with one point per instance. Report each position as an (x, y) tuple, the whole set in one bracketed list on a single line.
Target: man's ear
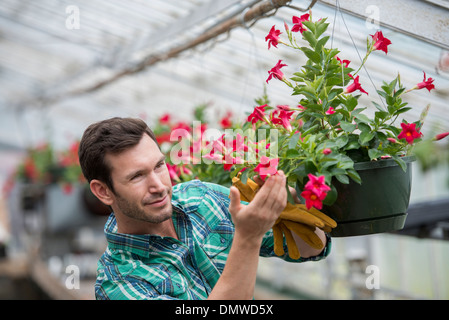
[(101, 191)]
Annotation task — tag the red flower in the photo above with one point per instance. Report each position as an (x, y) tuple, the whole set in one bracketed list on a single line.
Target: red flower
[(409, 132), (165, 119), (258, 114), (266, 167), (380, 42), (297, 23), (426, 83), (226, 122), (313, 199), (273, 37), (354, 86), (276, 71), (327, 151), (345, 63), (230, 160)]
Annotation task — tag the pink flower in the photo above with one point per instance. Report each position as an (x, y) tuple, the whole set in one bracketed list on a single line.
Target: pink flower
[(276, 71), (297, 23), (315, 191), (313, 199), (239, 143), (267, 167), (409, 132), (428, 84), (354, 86), (258, 114), (380, 42), (283, 107), (173, 174), (330, 111), (392, 140), (283, 118), (441, 136), (273, 37), (327, 151), (316, 184)]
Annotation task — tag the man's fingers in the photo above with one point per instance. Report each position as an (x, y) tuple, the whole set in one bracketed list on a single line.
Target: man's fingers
[(272, 194), (234, 196)]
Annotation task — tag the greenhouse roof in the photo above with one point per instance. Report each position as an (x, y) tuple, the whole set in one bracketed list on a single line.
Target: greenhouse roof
[(65, 64)]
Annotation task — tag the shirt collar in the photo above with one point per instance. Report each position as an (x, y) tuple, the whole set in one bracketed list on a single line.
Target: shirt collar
[(142, 244)]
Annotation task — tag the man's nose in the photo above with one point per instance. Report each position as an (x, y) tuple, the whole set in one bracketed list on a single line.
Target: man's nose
[(155, 184)]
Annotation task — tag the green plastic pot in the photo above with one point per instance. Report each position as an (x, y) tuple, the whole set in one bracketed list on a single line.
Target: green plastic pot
[(377, 205)]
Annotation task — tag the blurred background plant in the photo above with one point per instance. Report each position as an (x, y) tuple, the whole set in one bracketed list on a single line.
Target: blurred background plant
[(43, 165)]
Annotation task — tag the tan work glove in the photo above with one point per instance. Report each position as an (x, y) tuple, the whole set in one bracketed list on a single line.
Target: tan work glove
[(295, 217)]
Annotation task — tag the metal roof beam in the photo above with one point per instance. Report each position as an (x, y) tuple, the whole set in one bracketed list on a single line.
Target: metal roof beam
[(421, 19)]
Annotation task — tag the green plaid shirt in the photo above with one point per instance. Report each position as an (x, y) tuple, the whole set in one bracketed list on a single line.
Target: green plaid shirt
[(154, 267)]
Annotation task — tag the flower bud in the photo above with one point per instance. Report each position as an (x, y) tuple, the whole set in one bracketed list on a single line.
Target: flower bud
[(441, 136)]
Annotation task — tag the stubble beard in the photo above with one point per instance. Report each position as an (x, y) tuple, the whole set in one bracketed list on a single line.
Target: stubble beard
[(133, 210)]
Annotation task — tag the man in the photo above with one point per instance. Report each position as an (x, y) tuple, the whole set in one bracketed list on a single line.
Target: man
[(191, 241)]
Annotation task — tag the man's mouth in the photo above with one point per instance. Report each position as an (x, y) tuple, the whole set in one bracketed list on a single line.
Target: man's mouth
[(158, 202)]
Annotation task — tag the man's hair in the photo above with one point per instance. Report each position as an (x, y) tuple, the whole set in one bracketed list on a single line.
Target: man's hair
[(110, 136)]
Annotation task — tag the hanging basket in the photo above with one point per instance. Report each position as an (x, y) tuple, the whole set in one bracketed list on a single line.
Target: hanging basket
[(378, 205)]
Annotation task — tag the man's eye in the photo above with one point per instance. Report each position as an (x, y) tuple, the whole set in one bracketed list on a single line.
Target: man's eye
[(160, 164), (136, 176)]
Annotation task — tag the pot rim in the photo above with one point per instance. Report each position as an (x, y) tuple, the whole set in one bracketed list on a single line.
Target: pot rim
[(383, 163)]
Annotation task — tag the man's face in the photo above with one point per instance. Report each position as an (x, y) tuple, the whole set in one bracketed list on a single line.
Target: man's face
[(142, 185)]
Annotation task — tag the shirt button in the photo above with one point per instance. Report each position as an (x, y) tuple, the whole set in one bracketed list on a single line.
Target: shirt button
[(222, 240), (174, 246)]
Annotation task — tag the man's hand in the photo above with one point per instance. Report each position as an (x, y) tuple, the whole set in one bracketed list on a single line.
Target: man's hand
[(256, 218)]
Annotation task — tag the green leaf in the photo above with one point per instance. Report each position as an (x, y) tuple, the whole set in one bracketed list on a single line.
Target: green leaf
[(312, 55), (310, 25), (321, 43), (341, 141), (335, 119), (351, 103), (354, 175), (321, 28), (347, 127), (400, 162), (374, 153), (293, 141), (381, 114), (292, 154), (402, 110), (342, 178), (365, 137), (331, 196), (363, 118), (310, 38), (380, 108)]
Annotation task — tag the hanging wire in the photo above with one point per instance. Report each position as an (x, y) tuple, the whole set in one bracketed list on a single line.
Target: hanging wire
[(337, 8)]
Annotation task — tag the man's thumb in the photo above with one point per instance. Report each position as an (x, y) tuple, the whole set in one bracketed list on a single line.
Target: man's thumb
[(234, 195)]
